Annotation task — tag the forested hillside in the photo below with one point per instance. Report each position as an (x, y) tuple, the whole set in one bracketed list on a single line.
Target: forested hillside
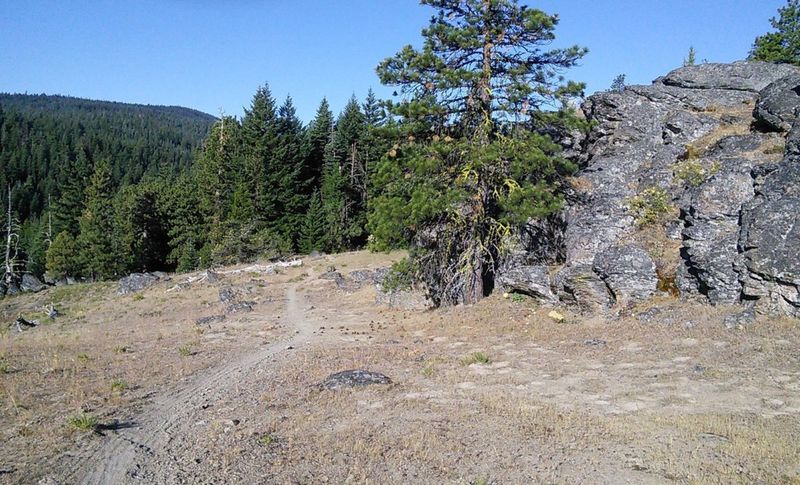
[(47, 140)]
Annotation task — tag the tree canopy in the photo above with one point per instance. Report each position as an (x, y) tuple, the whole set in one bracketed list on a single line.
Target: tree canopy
[(783, 45), (468, 164)]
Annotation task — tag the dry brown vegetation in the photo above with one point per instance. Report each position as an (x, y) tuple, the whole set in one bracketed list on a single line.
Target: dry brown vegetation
[(593, 400)]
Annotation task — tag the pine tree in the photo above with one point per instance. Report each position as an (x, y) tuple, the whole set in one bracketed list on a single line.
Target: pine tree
[(141, 227), (377, 139), (468, 172), (782, 46), (98, 246), (619, 84), (312, 232), (317, 137)]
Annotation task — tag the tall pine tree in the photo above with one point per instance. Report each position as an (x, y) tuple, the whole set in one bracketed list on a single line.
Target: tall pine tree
[(468, 171)]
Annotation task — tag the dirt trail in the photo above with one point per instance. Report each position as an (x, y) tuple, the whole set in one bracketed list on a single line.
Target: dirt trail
[(125, 453)]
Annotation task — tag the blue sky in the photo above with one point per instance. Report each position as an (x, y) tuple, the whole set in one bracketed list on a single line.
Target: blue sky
[(213, 54)]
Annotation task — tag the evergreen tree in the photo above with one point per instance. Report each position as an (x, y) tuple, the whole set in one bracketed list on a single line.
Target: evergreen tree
[(62, 257), (344, 189), (376, 139), (691, 57), (783, 45), (312, 232), (72, 189), (98, 247), (285, 175), (467, 171), (259, 142), (188, 232), (619, 83), (141, 228), (317, 137), (217, 172)]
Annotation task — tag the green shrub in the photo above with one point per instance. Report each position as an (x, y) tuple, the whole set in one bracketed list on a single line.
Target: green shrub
[(651, 206), (476, 358), (400, 276), (693, 173), (118, 385), (83, 422)]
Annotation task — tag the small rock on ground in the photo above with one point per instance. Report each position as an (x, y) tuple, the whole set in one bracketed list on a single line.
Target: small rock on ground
[(354, 378)]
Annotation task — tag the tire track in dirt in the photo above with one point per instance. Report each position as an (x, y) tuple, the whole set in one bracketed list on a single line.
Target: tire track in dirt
[(126, 453)]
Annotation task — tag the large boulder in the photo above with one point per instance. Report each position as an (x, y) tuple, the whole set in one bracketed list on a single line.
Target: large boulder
[(738, 76), (31, 284), (136, 282), (778, 103), (628, 271), (770, 241), (579, 286), (531, 280)]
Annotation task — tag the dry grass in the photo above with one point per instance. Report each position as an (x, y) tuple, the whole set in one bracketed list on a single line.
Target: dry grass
[(595, 400)]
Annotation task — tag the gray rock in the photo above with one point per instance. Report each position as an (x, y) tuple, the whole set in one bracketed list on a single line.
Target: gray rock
[(740, 319), (628, 271), (210, 319), (31, 284), (778, 103), (227, 294), (368, 276), (710, 238), (240, 307), (771, 243), (12, 289), (413, 299), (739, 76), (136, 282), (213, 276), (354, 378), (581, 287), (533, 281)]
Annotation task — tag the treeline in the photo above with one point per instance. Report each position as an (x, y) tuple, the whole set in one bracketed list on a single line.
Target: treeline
[(262, 185)]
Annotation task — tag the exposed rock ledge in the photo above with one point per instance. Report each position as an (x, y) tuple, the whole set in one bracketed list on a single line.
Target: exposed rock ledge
[(720, 145)]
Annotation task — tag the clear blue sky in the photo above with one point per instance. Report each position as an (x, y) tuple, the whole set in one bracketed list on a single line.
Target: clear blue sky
[(212, 54)]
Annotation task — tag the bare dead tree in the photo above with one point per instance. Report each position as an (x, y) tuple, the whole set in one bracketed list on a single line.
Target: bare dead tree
[(10, 262)]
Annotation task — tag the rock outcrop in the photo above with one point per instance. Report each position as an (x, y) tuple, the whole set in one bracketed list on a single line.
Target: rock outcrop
[(690, 185)]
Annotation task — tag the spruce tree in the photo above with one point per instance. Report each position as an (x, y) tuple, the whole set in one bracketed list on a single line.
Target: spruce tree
[(467, 171), (312, 232), (98, 246), (259, 141), (218, 172), (344, 191), (783, 45), (62, 257), (286, 174), (317, 137)]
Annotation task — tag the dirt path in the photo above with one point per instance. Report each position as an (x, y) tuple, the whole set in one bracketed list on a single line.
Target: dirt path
[(125, 453)]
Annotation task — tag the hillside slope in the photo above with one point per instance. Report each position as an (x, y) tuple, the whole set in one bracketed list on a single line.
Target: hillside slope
[(46, 140)]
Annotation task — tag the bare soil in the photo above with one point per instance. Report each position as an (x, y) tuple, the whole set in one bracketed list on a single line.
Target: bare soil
[(590, 400)]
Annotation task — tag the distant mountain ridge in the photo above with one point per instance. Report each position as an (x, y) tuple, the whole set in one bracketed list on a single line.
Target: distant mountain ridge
[(44, 102)]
